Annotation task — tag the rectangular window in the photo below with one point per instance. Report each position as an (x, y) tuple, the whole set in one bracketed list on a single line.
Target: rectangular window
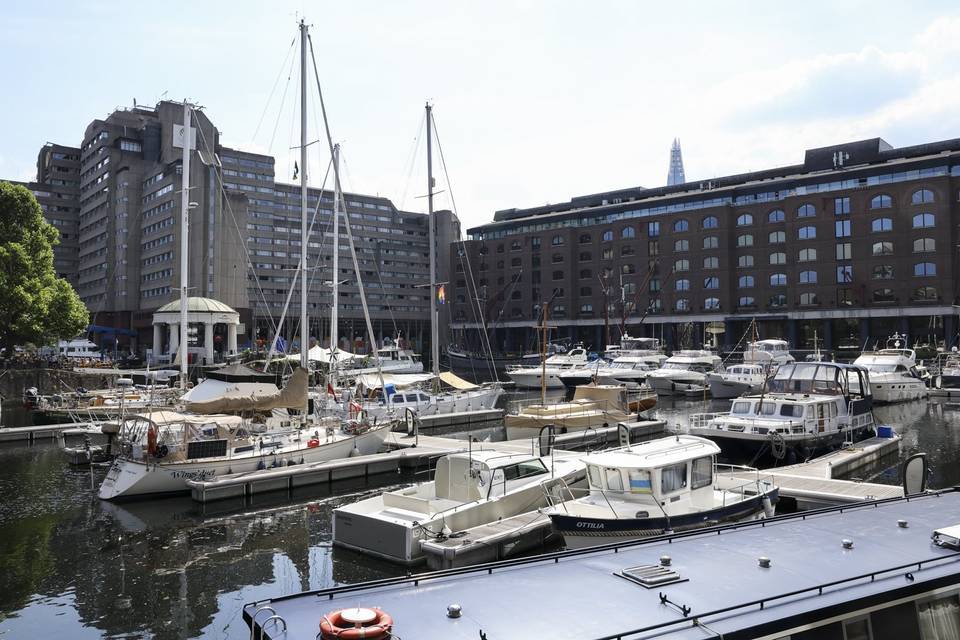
[(653, 247), (673, 478), (841, 206), (845, 297), (596, 480), (859, 629), (844, 251), (845, 274), (653, 229), (702, 473), (614, 480), (639, 481), (842, 228)]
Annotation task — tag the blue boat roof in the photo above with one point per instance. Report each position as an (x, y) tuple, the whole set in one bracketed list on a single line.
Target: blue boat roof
[(580, 594)]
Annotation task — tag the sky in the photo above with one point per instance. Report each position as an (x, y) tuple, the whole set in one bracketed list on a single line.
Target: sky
[(535, 101)]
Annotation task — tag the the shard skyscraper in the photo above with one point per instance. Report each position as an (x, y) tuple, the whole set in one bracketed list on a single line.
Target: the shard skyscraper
[(676, 165)]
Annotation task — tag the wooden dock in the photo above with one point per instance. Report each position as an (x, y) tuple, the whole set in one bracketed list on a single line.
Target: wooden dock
[(489, 542), (47, 432), (462, 420), (950, 394)]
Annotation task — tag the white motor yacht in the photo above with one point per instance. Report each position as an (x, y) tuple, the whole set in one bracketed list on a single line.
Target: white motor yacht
[(455, 395), (949, 377), (469, 489), (664, 485), (389, 359), (893, 373), (628, 370), (737, 380), (806, 407), (683, 371), (630, 346), (768, 352), (530, 377)]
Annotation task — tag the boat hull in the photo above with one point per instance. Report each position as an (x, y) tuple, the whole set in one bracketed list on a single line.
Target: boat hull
[(790, 448), (531, 379), (675, 386), (725, 389), (899, 391)]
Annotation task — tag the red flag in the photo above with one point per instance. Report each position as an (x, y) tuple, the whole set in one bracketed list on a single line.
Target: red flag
[(331, 392)]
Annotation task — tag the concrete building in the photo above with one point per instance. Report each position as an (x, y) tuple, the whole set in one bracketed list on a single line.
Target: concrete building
[(121, 235), (855, 243)]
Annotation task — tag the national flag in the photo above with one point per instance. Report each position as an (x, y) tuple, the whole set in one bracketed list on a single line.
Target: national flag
[(281, 345), (296, 170), (331, 392), (441, 294)]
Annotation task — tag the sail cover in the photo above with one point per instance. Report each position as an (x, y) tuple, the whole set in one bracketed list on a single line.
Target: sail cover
[(448, 378), (292, 396), (399, 380)]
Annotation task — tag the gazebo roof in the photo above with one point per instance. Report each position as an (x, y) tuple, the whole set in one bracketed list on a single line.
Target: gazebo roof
[(196, 304)]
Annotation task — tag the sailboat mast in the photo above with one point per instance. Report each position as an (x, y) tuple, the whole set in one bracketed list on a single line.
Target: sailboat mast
[(543, 355), (184, 245), (304, 329), (434, 328), (335, 293)]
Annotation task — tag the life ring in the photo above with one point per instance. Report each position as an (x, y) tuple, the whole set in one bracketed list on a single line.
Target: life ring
[(356, 624), (355, 409), (152, 440)]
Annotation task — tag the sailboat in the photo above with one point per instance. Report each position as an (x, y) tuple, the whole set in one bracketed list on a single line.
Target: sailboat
[(161, 450)]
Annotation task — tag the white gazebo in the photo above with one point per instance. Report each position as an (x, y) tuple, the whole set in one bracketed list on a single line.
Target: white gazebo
[(202, 311)]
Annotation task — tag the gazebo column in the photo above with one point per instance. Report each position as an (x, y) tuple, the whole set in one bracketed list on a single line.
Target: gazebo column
[(174, 328), (157, 339), (208, 340), (231, 338)]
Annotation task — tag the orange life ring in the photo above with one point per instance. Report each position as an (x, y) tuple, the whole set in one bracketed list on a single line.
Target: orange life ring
[(367, 624), (152, 440)]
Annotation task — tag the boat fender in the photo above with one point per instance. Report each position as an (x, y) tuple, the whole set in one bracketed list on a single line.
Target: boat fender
[(355, 409), (313, 443), (152, 440), (162, 451), (778, 446), (354, 624), (768, 508)]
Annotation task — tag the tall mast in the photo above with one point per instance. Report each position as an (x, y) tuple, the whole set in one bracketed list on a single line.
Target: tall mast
[(184, 245), (304, 329), (434, 329), (543, 355), (335, 299)]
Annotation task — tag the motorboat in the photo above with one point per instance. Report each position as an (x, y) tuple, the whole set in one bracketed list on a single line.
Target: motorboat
[(683, 371), (772, 351), (555, 365), (805, 408), (665, 485), (737, 380), (893, 373), (630, 346), (592, 406), (949, 377), (469, 488), (399, 392), (628, 370), (388, 359)]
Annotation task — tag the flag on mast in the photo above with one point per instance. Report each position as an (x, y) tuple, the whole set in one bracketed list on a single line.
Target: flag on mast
[(441, 295)]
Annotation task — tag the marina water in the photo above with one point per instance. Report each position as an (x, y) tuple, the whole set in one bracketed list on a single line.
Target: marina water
[(72, 566)]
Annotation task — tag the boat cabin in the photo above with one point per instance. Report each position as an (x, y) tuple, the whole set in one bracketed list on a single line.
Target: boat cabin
[(825, 378), (396, 353), (771, 350), (466, 477), (745, 370)]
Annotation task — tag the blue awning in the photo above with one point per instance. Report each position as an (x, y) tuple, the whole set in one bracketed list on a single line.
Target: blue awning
[(95, 328)]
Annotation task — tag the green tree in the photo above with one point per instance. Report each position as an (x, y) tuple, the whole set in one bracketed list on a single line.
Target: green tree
[(35, 305)]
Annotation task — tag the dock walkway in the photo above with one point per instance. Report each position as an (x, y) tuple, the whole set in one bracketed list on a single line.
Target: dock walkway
[(46, 432)]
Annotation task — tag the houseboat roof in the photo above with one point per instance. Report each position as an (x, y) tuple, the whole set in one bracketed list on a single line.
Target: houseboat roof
[(492, 458), (720, 586), (655, 453)]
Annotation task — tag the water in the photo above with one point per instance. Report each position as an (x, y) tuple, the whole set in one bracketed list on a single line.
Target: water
[(72, 566)]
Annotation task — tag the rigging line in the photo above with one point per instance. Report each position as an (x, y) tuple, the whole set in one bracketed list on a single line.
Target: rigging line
[(283, 100), (443, 162), (412, 161), (272, 91)]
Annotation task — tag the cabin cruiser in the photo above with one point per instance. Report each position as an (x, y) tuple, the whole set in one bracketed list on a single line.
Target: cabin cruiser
[(410, 391), (683, 371), (389, 359), (737, 380), (592, 406), (949, 377), (893, 373), (664, 485), (630, 346), (630, 371), (531, 377), (806, 407), (768, 352), (469, 488)]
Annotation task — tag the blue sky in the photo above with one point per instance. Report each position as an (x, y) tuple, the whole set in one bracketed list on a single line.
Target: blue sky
[(535, 102)]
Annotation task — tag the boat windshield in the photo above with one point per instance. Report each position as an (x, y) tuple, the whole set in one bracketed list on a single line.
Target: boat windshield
[(811, 377), (882, 368), (677, 365), (741, 408)]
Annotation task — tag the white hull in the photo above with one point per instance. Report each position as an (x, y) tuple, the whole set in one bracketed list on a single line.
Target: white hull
[(726, 388), (677, 384), (478, 400), (530, 378), (903, 390), (573, 541), (129, 478)]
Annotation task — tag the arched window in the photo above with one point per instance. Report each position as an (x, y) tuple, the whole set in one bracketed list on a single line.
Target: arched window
[(744, 220), (808, 277), (557, 241), (924, 294), (656, 305), (882, 272), (883, 295), (745, 261), (607, 236), (711, 262), (879, 225), (778, 280), (711, 282), (923, 221), (808, 298), (807, 255), (778, 258), (710, 222), (882, 248), (682, 285), (681, 265), (558, 275), (924, 245), (680, 226), (747, 301), (921, 196), (778, 300), (777, 237), (807, 233), (585, 238), (745, 240), (607, 254), (628, 232), (711, 242), (711, 304), (806, 211), (628, 268), (745, 282), (683, 304), (586, 256), (881, 202), (627, 250), (556, 258), (925, 269), (776, 215), (681, 245), (585, 274)]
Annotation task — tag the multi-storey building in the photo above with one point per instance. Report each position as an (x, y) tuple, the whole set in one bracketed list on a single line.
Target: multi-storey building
[(856, 243), (121, 234)]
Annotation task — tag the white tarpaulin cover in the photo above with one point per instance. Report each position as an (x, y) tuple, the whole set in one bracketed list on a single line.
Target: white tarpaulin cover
[(448, 378), (372, 380), (210, 389)]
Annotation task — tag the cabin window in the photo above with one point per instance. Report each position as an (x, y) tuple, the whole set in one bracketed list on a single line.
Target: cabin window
[(423, 398), (939, 618), (524, 470), (791, 410), (859, 629), (768, 409), (740, 408), (702, 474), (596, 480), (614, 481), (673, 478), (639, 481), (411, 397)]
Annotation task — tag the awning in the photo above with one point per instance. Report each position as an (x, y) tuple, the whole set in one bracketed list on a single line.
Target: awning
[(372, 380), (449, 379)]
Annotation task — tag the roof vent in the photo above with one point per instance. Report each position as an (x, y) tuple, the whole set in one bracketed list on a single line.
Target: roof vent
[(947, 537), (651, 575)]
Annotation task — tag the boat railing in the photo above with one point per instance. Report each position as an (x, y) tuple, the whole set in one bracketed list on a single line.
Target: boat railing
[(759, 484), (703, 420)]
